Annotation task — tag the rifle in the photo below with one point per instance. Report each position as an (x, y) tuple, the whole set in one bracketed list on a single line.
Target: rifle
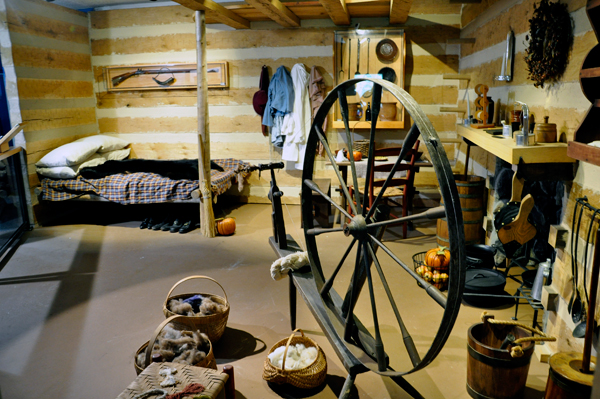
[(117, 80)]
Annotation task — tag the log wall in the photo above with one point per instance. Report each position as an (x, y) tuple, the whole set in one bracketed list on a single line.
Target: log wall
[(53, 92), (563, 102), (162, 124)]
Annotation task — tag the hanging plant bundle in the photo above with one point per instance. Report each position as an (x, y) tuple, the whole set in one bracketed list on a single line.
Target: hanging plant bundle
[(549, 41)]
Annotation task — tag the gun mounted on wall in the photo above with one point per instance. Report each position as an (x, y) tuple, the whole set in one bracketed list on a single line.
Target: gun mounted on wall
[(117, 80)]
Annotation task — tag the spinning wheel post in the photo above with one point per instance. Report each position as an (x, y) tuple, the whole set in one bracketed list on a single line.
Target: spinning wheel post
[(336, 315)]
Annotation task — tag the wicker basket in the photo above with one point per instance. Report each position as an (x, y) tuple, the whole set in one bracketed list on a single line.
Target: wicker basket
[(208, 362), (308, 377), (419, 260), (362, 146), (212, 325)]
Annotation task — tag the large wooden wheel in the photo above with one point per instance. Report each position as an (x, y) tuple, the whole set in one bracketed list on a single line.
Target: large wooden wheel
[(371, 267)]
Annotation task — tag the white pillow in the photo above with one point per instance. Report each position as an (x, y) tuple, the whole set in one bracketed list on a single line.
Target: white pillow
[(106, 143), (68, 154), (70, 172)]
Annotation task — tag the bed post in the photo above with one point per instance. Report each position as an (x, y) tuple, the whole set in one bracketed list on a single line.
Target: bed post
[(207, 218)]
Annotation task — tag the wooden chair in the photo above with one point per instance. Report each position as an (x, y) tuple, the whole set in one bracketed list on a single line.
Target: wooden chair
[(399, 187)]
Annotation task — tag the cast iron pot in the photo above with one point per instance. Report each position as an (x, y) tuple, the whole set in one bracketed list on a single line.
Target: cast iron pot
[(484, 281), (480, 256)]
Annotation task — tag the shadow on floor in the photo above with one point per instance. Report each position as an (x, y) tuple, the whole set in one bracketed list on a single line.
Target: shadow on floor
[(237, 344), (334, 382)]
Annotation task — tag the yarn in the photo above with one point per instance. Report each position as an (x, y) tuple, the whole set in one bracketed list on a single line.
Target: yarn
[(281, 267), (195, 306), (189, 390), (152, 392)]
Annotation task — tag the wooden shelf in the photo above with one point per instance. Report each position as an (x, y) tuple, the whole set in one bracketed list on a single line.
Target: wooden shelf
[(367, 125), (457, 77), (449, 109), (506, 149)]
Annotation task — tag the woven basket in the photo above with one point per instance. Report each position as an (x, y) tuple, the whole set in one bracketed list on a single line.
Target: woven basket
[(208, 362), (308, 377), (212, 325), (419, 260), (362, 146)]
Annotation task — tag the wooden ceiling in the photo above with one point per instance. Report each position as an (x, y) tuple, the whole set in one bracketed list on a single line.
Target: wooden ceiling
[(289, 14)]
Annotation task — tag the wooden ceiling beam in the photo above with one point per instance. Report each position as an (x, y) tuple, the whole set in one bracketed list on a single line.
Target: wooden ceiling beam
[(218, 12), (399, 11), (337, 10), (278, 12)]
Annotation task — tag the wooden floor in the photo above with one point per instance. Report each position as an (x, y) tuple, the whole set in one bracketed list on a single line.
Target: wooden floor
[(77, 301)]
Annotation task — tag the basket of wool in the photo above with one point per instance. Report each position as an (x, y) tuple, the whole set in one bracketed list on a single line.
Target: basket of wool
[(206, 312), (179, 342), (296, 360)]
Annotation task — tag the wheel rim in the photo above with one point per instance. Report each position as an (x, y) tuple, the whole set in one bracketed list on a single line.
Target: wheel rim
[(361, 235)]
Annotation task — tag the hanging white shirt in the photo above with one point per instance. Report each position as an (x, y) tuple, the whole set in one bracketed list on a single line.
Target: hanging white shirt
[(296, 126)]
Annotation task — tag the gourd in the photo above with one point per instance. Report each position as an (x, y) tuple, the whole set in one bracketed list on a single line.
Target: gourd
[(438, 258), (226, 227)]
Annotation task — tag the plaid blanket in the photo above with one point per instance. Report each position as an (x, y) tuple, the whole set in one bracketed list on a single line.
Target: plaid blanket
[(143, 188)]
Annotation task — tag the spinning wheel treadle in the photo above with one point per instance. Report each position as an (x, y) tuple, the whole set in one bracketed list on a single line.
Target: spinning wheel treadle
[(366, 259)]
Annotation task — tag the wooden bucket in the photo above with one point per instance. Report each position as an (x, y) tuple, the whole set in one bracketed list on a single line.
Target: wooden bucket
[(565, 380), (491, 372), (471, 194)]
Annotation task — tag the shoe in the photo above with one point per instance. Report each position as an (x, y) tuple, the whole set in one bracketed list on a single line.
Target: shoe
[(187, 227), (151, 223), (145, 223), (175, 227), (166, 221)]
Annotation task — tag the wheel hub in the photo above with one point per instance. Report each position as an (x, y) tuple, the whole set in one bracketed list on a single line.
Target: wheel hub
[(357, 227)]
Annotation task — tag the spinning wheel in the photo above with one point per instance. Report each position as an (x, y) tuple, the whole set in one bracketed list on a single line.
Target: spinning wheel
[(346, 258)]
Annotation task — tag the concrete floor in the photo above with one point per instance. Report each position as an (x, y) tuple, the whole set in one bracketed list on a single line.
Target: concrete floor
[(77, 301)]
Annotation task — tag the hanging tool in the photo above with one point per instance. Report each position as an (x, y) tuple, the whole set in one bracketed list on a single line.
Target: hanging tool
[(357, 58), (341, 61), (368, 51)]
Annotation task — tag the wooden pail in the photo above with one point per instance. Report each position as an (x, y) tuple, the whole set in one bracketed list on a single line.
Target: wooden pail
[(565, 380), (492, 372), (471, 193)]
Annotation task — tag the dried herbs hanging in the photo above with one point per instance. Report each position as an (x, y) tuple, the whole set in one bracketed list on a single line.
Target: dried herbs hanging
[(550, 40)]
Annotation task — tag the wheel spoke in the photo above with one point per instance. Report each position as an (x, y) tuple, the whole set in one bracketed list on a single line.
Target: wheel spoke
[(433, 213), (409, 142), (349, 143), (408, 341), (431, 289), (377, 89), (313, 186), (379, 350), (329, 283), (352, 297), (317, 231), (335, 168)]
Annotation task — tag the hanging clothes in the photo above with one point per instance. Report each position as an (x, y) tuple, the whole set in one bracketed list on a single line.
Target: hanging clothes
[(296, 125), (317, 93), (280, 103), (259, 101)]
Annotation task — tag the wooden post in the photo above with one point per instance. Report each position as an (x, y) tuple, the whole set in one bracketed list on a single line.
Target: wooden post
[(207, 218)]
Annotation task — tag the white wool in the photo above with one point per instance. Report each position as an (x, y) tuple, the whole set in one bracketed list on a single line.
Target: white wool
[(282, 266), (298, 357), (170, 333)]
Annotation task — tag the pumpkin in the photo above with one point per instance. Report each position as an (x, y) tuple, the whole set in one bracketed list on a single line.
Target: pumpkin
[(438, 258), (226, 227), (357, 155)]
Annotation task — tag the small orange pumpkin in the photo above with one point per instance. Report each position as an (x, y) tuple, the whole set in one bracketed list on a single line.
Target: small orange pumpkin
[(357, 155), (438, 258), (226, 227)]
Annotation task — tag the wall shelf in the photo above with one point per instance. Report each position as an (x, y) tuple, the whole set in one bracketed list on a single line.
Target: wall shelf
[(367, 125), (456, 77), (506, 149)]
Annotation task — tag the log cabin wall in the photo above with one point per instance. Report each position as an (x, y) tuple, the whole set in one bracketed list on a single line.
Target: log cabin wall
[(162, 124), (564, 103), (51, 88)]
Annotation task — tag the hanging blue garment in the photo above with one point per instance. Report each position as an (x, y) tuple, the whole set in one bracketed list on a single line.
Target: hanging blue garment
[(280, 103)]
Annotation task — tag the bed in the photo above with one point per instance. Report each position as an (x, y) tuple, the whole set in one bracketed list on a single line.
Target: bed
[(65, 183)]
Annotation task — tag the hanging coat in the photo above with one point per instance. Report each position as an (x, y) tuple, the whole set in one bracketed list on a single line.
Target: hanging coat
[(280, 103), (259, 101), (317, 92), (296, 125)]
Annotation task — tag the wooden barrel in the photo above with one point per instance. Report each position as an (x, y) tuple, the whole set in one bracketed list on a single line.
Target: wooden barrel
[(565, 379), (471, 193), (491, 372)]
